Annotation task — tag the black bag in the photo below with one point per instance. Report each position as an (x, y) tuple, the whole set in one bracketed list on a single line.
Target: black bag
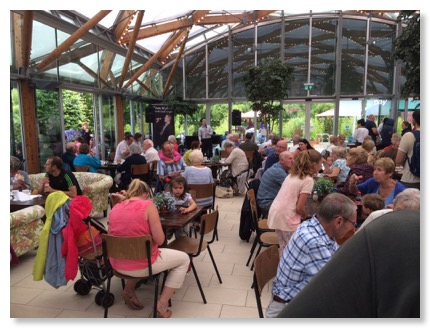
[(414, 161), (246, 225), (226, 179)]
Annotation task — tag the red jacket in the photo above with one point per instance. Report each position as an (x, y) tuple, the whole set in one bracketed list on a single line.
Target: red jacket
[(80, 208)]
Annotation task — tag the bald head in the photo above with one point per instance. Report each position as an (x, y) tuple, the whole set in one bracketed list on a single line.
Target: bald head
[(286, 160), (281, 145)]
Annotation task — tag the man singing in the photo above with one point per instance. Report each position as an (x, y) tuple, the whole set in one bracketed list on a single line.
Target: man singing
[(205, 134)]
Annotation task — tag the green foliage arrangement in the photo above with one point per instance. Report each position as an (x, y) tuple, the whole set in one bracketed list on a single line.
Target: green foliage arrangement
[(163, 201), (324, 186), (266, 85), (407, 49)]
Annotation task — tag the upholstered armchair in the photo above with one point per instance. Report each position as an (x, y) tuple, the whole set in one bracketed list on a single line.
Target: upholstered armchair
[(25, 228), (94, 185)]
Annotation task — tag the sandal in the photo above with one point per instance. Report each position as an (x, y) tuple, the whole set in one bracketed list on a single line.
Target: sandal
[(129, 301), (166, 313)]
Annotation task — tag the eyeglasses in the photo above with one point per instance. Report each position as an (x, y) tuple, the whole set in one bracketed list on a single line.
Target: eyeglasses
[(354, 224)]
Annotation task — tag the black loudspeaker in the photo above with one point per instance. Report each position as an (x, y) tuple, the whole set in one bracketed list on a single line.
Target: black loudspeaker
[(236, 117), (149, 116)]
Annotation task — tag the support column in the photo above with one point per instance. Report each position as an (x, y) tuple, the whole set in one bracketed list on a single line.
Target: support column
[(31, 140), (119, 117)]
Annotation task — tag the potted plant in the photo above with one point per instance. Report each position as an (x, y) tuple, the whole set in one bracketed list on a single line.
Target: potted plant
[(163, 202), (323, 187)]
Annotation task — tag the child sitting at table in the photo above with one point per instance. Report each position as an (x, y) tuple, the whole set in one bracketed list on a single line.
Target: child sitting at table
[(178, 191), (183, 200)]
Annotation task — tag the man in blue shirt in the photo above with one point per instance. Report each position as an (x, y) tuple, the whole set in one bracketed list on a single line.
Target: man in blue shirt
[(273, 158), (272, 180), (166, 171), (310, 248)]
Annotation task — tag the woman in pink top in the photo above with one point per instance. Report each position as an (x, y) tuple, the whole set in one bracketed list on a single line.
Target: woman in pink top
[(288, 208), (135, 215)]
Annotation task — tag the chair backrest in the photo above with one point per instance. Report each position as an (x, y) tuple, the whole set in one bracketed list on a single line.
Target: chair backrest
[(253, 204), (265, 268), (128, 248), (193, 194), (83, 168), (139, 169), (208, 224), (203, 190), (223, 154)]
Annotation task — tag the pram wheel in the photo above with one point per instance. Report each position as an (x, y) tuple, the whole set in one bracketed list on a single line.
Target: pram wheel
[(105, 300), (82, 287)]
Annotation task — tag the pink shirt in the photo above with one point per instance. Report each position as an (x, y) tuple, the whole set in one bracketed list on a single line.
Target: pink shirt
[(282, 213), (128, 219)]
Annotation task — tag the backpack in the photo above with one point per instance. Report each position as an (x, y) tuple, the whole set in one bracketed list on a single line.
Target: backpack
[(414, 161)]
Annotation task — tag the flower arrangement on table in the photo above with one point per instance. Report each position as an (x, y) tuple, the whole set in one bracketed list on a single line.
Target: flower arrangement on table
[(164, 202), (323, 187)]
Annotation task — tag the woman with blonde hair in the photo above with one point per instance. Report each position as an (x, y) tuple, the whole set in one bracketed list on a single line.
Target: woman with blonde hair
[(288, 208), (369, 146), (356, 160), (136, 215), (381, 183), (335, 166)]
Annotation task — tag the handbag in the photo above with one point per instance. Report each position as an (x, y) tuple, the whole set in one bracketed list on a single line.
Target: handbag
[(223, 192)]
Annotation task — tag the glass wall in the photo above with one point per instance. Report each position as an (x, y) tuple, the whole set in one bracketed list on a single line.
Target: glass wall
[(49, 124), (16, 129)]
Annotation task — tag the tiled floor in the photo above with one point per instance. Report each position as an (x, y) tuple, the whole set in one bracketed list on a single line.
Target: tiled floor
[(234, 298)]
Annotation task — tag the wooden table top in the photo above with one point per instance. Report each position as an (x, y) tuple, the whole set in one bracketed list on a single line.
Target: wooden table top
[(174, 220), (16, 205)]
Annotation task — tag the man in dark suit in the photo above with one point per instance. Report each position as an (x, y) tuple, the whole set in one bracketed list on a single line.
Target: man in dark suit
[(167, 129)]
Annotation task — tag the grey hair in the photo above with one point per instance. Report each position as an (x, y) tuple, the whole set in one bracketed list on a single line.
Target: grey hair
[(135, 149), (196, 157), (15, 163), (339, 151), (149, 141), (395, 137), (407, 199), (228, 144), (336, 204), (171, 138)]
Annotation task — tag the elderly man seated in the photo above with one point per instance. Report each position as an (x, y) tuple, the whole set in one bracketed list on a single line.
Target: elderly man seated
[(167, 170), (238, 165), (272, 180)]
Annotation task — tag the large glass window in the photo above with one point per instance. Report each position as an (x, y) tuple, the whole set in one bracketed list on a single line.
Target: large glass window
[(16, 132), (218, 69), (195, 68), (107, 124), (243, 58), (48, 124), (353, 56)]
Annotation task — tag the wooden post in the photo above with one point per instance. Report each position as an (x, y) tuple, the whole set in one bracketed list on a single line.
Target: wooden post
[(119, 118), (31, 144)]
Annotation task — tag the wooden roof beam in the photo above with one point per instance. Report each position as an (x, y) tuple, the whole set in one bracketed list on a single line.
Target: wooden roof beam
[(178, 39), (131, 46), (106, 61), (162, 28), (72, 39), (175, 65), (123, 21), (150, 62)]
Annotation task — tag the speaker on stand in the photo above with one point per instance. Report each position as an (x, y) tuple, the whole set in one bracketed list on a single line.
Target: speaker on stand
[(236, 117)]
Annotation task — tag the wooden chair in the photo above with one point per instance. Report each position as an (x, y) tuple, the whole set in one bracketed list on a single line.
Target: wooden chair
[(266, 266), (263, 237), (223, 154), (141, 171), (194, 246), (82, 168), (201, 191), (127, 248), (250, 157)]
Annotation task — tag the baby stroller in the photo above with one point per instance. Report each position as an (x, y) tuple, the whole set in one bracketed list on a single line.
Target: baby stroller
[(90, 263)]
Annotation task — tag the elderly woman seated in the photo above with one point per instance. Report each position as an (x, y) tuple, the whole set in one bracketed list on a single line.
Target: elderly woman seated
[(194, 145), (335, 166), (198, 174), (18, 179), (382, 182), (356, 160)]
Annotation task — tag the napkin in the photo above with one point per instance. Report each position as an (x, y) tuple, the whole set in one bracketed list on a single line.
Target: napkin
[(22, 197)]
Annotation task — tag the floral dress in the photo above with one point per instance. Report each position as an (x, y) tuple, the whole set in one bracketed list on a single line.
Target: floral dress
[(344, 169)]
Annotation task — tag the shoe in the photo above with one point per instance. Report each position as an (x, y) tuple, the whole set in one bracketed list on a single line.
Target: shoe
[(129, 301), (165, 313)]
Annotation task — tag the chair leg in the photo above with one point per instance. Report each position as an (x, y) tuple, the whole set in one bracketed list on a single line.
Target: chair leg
[(213, 262), (258, 297), (198, 281), (254, 244), (106, 296), (157, 280), (256, 254)]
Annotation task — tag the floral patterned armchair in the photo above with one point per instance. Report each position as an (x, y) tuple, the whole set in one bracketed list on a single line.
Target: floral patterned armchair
[(94, 185), (25, 228)]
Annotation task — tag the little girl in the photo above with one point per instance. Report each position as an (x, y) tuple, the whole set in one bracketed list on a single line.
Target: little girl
[(178, 190)]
